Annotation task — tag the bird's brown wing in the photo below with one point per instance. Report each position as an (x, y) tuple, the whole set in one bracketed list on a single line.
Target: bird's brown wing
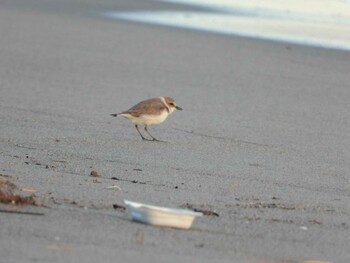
[(151, 107)]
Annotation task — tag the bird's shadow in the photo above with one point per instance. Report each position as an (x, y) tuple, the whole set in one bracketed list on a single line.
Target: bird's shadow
[(153, 140)]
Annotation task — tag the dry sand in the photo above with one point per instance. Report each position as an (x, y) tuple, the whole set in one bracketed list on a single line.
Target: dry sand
[(263, 140)]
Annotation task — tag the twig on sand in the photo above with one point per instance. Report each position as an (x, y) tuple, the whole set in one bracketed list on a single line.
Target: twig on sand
[(21, 212)]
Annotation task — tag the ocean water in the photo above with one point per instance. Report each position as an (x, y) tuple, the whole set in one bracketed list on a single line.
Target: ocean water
[(320, 23)]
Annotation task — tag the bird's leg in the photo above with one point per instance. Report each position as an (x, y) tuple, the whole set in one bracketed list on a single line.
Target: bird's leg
[(143, 138), (154, 139)]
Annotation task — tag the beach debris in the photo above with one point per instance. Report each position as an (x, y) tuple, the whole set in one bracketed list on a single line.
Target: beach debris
[(95, 174), (21, 212), (203, 211), (5, 176), (113, 187), (137, 169), (9, 194), (127, 180), (303, 228), (7, 184), (206, 212), (137, 182), (119, 207), (27, 190), (161, 216)]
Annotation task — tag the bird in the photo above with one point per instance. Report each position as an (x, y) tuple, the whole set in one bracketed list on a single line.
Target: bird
[(149, 112)]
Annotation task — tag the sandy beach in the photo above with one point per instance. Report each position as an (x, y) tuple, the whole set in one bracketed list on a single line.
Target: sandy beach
[(263, 140)]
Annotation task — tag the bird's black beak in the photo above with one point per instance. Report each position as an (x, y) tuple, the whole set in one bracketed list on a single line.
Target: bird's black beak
[(178, 108)]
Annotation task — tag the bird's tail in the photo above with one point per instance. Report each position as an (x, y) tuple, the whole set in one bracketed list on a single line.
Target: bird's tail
[(115, 114)]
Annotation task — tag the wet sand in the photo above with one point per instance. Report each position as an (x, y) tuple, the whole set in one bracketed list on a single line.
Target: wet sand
[(263, 140)]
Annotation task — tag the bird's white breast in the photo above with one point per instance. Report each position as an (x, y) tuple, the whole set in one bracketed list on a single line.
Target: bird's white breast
[(146, 119)]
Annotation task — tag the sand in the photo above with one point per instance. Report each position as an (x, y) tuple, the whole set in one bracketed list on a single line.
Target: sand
[(263, 140)]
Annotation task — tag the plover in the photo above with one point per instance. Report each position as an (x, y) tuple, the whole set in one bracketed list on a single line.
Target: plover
[(150, 112)]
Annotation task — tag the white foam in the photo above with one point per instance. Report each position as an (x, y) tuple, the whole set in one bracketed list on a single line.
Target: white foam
[(309, 22)]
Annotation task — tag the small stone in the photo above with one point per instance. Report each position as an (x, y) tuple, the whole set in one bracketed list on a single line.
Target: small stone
[(95, 174)]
